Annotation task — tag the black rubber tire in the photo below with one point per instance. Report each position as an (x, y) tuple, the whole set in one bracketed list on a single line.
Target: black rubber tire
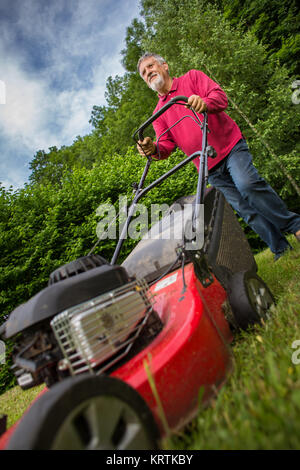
[(250, 299), (70, 406)]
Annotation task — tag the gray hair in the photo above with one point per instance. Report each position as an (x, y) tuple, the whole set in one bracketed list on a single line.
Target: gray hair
[(157, 57)]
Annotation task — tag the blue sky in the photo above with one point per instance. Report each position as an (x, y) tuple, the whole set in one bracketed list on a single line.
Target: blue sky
[(55, 58)]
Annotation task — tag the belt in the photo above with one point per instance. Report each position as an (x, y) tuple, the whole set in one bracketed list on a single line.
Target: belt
[(214, 168)]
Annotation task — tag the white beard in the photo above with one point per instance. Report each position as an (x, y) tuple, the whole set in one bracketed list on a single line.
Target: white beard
[(157, 83)]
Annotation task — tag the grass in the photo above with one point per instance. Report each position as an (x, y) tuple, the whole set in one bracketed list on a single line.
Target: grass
[(15, 401), (259, 407)]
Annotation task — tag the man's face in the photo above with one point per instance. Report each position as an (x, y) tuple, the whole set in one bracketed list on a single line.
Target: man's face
[(154, 73)]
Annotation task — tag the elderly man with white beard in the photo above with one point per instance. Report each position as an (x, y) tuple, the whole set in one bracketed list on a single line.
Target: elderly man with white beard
[(232, 171)]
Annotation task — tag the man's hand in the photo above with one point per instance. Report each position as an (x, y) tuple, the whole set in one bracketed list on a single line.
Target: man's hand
[(197, 104), (148, 147)]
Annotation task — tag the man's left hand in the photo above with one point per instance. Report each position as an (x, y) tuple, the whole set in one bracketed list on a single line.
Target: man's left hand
[(197, 104)]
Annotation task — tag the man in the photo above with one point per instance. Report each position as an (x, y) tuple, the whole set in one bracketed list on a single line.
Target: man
[(232, 171)]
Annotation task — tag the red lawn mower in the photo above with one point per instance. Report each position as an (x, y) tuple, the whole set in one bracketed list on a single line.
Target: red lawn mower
[(126, 350)]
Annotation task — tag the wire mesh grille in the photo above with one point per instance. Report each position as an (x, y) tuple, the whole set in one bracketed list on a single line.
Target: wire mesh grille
[(96, 334)]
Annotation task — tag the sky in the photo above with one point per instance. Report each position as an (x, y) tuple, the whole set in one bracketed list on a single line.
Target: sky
[(55, 58)]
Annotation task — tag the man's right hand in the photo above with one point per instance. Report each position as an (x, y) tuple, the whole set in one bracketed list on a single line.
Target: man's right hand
[(148, 147)]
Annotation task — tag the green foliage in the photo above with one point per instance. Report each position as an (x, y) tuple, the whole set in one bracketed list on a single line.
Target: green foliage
[(135, 33), (115, 125), (274, 23), (130, 102), (50, 167)]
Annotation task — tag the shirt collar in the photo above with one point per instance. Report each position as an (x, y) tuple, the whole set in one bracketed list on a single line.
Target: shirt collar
[(173, 88)]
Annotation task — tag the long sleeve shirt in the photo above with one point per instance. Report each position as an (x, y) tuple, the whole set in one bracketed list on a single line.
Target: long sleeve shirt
[(223, 134)]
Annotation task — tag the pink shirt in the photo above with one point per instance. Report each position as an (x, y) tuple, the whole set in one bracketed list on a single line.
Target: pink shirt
[(187, 135)]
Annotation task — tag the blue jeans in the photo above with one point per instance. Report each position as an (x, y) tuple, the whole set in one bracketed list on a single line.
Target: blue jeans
[(254, 199)]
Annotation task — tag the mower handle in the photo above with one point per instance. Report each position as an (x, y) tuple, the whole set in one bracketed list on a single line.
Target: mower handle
[(172, 101)]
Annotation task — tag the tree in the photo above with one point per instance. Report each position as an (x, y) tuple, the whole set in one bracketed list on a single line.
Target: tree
[(274, 23), (49, 167), (129, 102)]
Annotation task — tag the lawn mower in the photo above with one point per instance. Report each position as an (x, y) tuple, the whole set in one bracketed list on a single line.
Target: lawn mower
[(129, 351)]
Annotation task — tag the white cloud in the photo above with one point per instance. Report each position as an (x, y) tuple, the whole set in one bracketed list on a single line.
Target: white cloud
[(24, 112), (31, 106), (37, 114)]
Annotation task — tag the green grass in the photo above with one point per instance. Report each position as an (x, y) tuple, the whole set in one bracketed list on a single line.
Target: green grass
[(15, 401), (259, 407)]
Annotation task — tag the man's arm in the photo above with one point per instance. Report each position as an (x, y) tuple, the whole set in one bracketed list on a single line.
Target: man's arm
[(210, 93), (165, 146)]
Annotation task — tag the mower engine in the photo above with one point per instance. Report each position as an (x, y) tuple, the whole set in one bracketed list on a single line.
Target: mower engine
[(99, 332), (91, 334)]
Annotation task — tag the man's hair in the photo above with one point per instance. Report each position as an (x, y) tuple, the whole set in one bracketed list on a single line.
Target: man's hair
[(157, 57)]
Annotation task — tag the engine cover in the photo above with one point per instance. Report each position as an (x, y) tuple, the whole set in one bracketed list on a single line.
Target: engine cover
[(63, 295)]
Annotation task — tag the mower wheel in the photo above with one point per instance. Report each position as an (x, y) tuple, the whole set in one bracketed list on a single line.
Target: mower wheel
[(87, 413), (250, 299)]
